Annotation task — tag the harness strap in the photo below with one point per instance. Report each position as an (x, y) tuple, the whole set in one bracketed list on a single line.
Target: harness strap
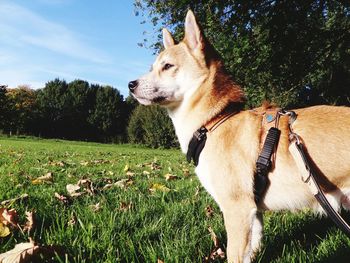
[(309, 177), (263, 164), (199, 137)]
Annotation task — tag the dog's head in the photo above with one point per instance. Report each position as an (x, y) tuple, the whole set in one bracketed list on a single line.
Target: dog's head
[(177, 71)]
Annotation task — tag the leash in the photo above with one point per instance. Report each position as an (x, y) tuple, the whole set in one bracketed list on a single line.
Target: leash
[(309, 177)]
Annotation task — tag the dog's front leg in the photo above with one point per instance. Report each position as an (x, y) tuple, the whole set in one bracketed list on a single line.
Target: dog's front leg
[(244, 228)]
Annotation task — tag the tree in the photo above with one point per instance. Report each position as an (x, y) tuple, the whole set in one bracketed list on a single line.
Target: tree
[(107, 115), (151, 126), (21, 110), (3, 106), (293, 52)]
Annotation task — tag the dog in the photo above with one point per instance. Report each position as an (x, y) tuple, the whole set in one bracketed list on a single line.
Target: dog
[(189, 80)]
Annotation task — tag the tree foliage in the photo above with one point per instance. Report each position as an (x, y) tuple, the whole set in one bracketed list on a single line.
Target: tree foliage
[(151, 126), (3, 105), (75, 110), (292, 52)]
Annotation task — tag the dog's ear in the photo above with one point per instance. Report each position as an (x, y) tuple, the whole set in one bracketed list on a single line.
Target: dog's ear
[(193, 35), (168, 40)]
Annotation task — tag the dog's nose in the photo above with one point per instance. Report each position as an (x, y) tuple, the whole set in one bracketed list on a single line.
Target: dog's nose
[(133, 85)]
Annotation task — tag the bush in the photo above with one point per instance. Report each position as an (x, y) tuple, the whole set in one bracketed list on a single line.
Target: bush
[(151, 126)]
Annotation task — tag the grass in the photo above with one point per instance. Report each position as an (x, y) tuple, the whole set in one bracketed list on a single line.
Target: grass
[(134, 224)]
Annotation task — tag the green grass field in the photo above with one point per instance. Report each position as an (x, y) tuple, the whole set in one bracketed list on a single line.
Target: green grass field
[(133, 223)]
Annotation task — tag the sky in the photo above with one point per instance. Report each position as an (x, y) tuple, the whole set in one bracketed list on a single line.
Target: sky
[(96, 41)]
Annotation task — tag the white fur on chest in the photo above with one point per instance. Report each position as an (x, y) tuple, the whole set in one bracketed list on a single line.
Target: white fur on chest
[(205, 177)]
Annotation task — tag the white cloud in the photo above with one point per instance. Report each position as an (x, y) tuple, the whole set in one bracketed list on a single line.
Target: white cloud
[(20, 26)]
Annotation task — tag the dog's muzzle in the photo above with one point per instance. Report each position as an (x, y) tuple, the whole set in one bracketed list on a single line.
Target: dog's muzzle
[(133, 85)]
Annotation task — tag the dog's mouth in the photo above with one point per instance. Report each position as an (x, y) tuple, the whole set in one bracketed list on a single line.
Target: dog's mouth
[(159, 100)]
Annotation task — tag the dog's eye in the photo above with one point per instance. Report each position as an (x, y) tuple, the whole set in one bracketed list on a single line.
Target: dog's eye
[(167, 66)]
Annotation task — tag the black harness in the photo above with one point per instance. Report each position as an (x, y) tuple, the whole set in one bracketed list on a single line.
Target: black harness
[(264, 165)]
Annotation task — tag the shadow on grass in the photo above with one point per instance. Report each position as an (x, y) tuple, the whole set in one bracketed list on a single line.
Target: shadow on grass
[(308, 236)]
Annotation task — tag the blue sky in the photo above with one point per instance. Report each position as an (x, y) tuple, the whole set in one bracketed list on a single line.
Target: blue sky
[(71, 39)]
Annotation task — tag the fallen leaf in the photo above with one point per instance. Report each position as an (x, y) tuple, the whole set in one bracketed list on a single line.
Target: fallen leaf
[(72, 190), (30, 221), (87, 184), (159, 187), (130, 174), (169, 177), (64, 199), (125, 206), (84, 163), (186, 172), (209, 211), (42, 179), (155, 166), (213, 236), (126, 168), (95, 207), (4, 230), (217, 252), (121, 183), (146, 173), (20, 253), (59, 163), (9, 217), (72, 221)]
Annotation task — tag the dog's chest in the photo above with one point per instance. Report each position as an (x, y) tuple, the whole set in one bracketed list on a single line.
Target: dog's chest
[(205, 178)]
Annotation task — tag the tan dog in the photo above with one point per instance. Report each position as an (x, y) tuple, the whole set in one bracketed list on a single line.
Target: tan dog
[(189, 80)]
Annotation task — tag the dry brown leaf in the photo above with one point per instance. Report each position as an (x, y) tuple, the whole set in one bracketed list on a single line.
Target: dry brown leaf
[(125, 206), (9, 217), (96, 207), (6, 202), (64, 199), (159, 187), (160, 261), (72, 190), (87, 184), (186, 172), (84, 163), (213, 236), (30, 224), (48, 178), (121, 183), (21, 253), (130, 174), (126, 168), (209, 211), (4, 230), (72, 221), (169, 177), (217, 252), (146, 173)]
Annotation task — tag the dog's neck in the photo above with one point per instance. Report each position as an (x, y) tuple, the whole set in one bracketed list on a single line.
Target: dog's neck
[(204, 102)]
